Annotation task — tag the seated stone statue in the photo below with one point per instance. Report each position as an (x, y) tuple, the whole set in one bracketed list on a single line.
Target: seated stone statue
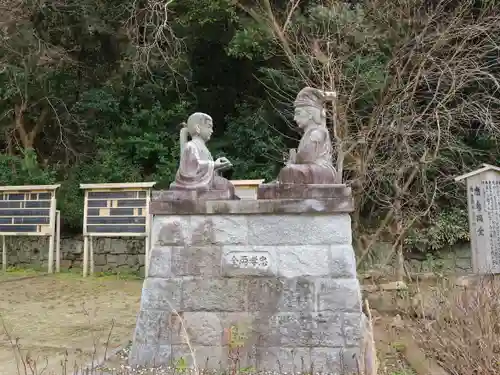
[(197, 168), (312, 162)]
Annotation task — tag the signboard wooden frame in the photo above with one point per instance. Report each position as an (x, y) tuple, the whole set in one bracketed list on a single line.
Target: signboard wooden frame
[(115, 210), (30, 210)]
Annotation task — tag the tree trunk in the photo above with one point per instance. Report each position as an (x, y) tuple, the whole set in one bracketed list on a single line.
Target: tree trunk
[(26, 137), (399, 263)]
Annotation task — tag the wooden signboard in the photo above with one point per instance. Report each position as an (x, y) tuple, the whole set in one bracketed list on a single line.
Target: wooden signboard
[(115, 210), (30, 211)]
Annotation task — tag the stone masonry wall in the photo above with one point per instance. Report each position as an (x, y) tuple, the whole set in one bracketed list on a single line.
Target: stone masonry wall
[(286, 283), (110, 254), (456, 259), (115, 254)]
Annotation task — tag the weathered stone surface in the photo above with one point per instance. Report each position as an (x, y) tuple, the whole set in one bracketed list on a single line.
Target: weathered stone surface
[(244, 207), (339, 360), (282, 285), (161, 262), (202, 328), (265, 295), (205, 356), (152, 327), (342, 262), (337, 295), (336, 261), (305, 260), (214, 294), (354, 326), (29, 251), (117, 258), (190, 195), (294, 230), (161, 294), (208, 328), (222, 230), (272, 295), (302, 191), (196, 261), (301, 330), (284, 359), (170, 230), (150, 355), (249, 261)]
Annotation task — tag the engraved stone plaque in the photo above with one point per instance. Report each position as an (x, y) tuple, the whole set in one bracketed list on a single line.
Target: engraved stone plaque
[(240, 263)]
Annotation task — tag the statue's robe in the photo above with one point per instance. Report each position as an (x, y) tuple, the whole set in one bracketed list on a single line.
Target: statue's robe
[(313, 162), (197, 170)]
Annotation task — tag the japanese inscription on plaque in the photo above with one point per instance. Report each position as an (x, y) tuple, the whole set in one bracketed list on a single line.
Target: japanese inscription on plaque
[(258, 260), (483, 194), (491, 191)]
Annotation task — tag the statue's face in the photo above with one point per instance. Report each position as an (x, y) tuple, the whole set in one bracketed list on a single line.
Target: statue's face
[(302, 117), (206, 129)]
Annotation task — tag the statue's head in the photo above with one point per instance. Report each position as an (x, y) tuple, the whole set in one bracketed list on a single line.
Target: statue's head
[(309, 107), (200, 124)]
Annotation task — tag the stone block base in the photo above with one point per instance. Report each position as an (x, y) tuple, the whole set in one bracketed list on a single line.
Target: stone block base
[(274, 289), (299, 191), (193, 195), (325, 360)]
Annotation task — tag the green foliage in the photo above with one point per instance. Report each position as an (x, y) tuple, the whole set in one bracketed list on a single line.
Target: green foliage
[(251, 41), (19, 170), (249, 131), (94, 91), (181, 365), (446, 228)]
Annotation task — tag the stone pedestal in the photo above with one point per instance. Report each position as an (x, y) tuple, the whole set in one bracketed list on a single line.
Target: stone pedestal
[(269, 283), (307, 191)]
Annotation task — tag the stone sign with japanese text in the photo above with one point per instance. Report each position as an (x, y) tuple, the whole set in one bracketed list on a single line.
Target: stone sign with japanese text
[(236, 262), (483, 201)]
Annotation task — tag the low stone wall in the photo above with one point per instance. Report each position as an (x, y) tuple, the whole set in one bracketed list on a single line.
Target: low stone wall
[(110, 254), (115, 254), (455, 260)]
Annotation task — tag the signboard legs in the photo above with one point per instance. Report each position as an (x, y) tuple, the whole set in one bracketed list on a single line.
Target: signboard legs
[(4, 255), (88, 247), (85, 255), (58, 241), (53, 216), (91, 243), (51, 254)]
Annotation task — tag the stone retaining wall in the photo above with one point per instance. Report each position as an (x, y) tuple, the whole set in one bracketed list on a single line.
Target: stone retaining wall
[(111, 254), (115, 254)]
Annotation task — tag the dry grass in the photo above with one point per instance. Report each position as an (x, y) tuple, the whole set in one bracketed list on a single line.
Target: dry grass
[(464, 332), (28, 365)]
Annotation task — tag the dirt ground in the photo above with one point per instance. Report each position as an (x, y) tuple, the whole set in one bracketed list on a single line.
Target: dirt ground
[(82, 312), (58, 314)]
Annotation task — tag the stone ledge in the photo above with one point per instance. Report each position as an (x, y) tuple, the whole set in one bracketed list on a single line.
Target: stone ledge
[(302, 191), (190, 195), (339, 204)]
